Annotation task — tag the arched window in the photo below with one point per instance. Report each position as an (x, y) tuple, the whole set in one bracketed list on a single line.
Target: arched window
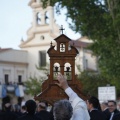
[(42, 37), (62, 47), (67, 71), (47, 20), (38, 18), (56, 70)]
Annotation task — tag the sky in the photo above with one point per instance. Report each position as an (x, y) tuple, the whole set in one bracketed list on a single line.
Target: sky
[(16, 19)]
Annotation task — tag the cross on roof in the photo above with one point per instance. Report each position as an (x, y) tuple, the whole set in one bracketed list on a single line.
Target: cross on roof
[(61, 28), (51, 44)]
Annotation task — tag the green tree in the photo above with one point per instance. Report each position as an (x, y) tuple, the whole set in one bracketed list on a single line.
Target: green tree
[(100, 21), (33, 85), (91, 82)]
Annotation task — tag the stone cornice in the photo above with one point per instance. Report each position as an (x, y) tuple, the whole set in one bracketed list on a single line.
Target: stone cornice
[(15, 63), (36, 45)]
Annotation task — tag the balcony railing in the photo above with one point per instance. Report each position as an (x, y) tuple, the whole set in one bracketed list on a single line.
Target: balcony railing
[(15, 88)]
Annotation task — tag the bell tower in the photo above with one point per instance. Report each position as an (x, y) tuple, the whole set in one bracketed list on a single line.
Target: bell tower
[(62, 60), (42, 31), (42, 17), (43, 25)]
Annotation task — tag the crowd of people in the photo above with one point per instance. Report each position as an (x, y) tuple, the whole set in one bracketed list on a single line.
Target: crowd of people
[(73, 109)]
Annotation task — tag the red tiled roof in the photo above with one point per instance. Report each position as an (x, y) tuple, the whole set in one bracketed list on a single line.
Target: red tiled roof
[(77, 43), (4, 49)]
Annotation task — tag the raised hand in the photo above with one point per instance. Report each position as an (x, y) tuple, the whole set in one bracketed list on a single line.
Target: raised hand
[(62, 82)]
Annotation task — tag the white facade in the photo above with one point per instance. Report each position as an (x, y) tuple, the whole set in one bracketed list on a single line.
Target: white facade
[(40, 35), (85, 59), (13, 64), (90, 61), (13, 70)]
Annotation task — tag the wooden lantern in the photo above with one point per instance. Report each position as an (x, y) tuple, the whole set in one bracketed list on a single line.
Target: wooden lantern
[(62, 60)]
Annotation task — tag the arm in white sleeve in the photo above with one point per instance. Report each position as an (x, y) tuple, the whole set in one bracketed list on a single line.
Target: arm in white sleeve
[(80, 111), (72, 95)]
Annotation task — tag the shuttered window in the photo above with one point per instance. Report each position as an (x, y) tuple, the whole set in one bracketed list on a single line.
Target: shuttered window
[(19, 79), (42, 58), (6, 78)]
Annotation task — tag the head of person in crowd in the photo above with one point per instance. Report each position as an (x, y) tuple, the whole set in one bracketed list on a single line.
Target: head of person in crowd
[(112, 105), (62, 110), (104, 106), (4, 101), (93, 103), (16, 108), (30, 106), (23, 102), (118, 105), (41, 106), (8, 107), (23, 109)]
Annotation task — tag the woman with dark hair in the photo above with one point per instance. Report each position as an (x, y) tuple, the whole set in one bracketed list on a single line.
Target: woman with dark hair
[(95, 109)]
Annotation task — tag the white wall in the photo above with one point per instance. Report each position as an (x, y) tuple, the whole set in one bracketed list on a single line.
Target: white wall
[(86, 60), (91, 61), (13, 63), (13, 70), (14, 56)]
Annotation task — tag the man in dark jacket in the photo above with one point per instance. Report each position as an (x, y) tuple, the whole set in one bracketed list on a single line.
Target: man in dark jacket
[(8, 114), (42, 113), (95, 109), (112, 105), (1, 115), (116, 116), (31, 108), (105, 110)]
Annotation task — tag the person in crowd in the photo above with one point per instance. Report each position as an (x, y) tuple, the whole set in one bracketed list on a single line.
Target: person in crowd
[(104, 106), (112, 106), (30, 108), (23, 102), (118, 105), (1, 115), (80, 111), (17, 109), (23, 110), (8, 114), (116, 116), (49, 107), (42, 112), (95, 109), (4, 101), (62, 110)]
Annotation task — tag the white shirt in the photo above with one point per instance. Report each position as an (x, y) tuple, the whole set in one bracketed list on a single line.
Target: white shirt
[(80, 111)]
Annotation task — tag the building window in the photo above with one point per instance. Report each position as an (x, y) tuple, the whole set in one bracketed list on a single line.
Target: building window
[(42, 58), (62, 47), (42, 37), (6, 77), (86, 64), (47, 20), (38, 18), (19, 78)]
